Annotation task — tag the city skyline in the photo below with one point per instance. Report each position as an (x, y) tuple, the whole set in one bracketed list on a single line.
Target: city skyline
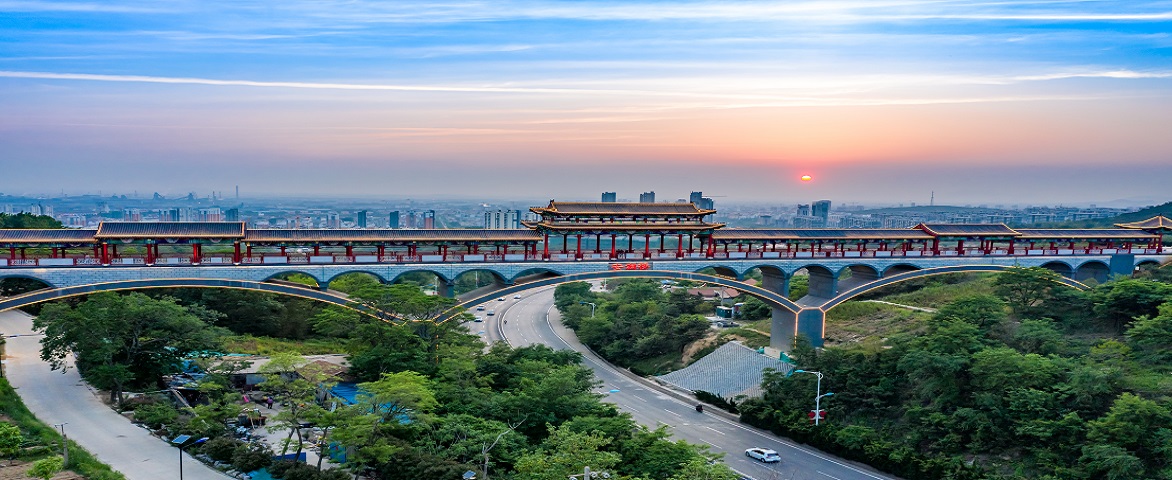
[(880, 102)]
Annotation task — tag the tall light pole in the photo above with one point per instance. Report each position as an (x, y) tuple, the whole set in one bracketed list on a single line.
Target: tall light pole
[(181, 442), (64, 444), (587, 474), (818, 396), (592, 306)]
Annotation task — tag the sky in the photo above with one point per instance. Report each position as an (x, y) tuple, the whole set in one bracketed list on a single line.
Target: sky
[(879, 101)]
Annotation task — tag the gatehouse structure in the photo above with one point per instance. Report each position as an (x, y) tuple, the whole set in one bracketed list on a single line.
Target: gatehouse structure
[(572, 241)]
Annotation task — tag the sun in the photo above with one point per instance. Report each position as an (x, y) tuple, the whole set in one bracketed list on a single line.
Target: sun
[(806, 178)]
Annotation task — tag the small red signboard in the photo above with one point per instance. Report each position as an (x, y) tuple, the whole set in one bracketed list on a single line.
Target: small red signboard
[(821, 414), (630, 266)]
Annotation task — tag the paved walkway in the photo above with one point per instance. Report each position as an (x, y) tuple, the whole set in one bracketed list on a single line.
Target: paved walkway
[(900, 305), (64, 398), (731, 370)]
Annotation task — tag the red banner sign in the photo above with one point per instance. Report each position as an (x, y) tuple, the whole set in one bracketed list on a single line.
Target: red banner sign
[(630, 266)]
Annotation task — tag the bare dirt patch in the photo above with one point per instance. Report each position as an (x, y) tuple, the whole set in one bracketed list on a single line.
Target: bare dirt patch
[(15, 470)]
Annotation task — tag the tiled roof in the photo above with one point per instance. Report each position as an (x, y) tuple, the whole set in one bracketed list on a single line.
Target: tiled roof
[(968, 230), (821, 234), (614, 208), (640, 226), (118, 230), (1088, 234), (1155, 223), (46, 236), (389, 235)]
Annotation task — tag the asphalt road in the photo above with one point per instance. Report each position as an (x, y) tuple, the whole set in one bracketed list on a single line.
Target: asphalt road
[(57, 398), (532, 319)]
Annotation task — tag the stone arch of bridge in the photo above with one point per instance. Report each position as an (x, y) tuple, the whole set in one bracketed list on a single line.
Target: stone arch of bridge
[(1093, 270), (29, 277), (299, 272), (51, 294), (437, 274), (1059, 267), (774, 299), (926, 272), (380, 278)]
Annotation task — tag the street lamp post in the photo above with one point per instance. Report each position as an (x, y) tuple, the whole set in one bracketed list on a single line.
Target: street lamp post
[(587, 474), (64, 444), (818, 396), (592, 306), (181, 442)]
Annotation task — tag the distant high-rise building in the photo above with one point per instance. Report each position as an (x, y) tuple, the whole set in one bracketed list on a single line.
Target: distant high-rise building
[(409, 222), (821, 209), (647, 197), (232, 215), (131, 215), (429, 219), (609, 197), (333, 220), (210, 214), (393, 220), (700, 201), (362, 219), (502, 220), (804, 210)]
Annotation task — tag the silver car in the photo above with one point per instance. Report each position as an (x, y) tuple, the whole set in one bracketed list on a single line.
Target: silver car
[(763, 454)]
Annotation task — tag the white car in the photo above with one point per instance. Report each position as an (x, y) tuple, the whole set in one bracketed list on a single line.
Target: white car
[(480, 308), (516, 297), (491, 312), (763, 454), (500, 299)]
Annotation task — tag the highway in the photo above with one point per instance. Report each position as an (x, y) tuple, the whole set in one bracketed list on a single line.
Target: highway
[(532, 320)]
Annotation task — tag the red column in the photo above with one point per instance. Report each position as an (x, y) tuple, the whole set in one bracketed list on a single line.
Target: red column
[(52, 252), (12, 253), (248, 250), (22, 253), (105, 253), (565, 243), (959, 247), (444, 252), (936, 246), (545, 247), (114, 250), (598, 243), (382, 250), (316, 250), (236, 252), (612, 246), (646, 245), (661, 237), (680, 246), (349, 250), (578, 248), (195, 253), (1011, 242), (150, 254), (711, 247), (97, 253)]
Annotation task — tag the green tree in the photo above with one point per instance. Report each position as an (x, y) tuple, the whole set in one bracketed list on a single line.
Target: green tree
[(984, 311), (1025, 289), (45, 468), (1120, 302), (1112, 463), (118, 339), (565, 453), (1134, 423), (1038, 336), (1151, 337), (28, 220), (294, 382), (10, 439)]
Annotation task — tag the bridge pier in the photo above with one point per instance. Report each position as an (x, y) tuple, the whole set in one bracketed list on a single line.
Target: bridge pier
[(1122, 264), (823, 283), (445, 288), (786, 326)]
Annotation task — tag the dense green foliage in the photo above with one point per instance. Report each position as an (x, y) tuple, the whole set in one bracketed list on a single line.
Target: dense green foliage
[(1039, 381), (28, 220), (123, 340), (639, 321)]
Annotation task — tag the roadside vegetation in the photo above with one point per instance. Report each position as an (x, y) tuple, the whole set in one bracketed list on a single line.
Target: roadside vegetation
[(25, 438), (1030, 380), (432, 403)]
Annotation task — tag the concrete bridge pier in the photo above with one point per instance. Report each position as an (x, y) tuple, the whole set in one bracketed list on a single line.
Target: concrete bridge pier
[(445, 288), (786, 326)]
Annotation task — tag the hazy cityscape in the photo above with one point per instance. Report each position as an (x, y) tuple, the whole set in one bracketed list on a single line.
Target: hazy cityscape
[(586, 240)]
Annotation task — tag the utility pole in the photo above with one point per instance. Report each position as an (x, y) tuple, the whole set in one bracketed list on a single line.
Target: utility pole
[(64, 444)]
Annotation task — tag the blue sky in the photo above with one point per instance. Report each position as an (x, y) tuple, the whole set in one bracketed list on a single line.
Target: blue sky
[(1046, 101)]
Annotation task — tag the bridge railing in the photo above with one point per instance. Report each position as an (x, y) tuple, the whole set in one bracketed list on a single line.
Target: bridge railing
[(304, 259)]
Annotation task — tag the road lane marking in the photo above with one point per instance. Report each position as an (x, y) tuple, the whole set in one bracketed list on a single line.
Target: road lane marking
[(713, 429), (828, 475), (673, 413)]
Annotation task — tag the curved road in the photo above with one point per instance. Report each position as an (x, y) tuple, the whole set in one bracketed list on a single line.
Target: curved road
[(532, 319)]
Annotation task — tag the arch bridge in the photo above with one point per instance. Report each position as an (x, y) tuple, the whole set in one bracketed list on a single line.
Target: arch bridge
[(572, 241)]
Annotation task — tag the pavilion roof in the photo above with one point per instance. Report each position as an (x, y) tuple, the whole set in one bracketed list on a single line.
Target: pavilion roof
[(56, 235), (822, 234), (1158, 222), (128, 230), (1083, 234), (390, 235), (625, 227), (621, 209), (968, 230)]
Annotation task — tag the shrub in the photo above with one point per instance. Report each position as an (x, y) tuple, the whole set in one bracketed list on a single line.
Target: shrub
[(221, 449), (45, 468), (156, 415), (251, 457)]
